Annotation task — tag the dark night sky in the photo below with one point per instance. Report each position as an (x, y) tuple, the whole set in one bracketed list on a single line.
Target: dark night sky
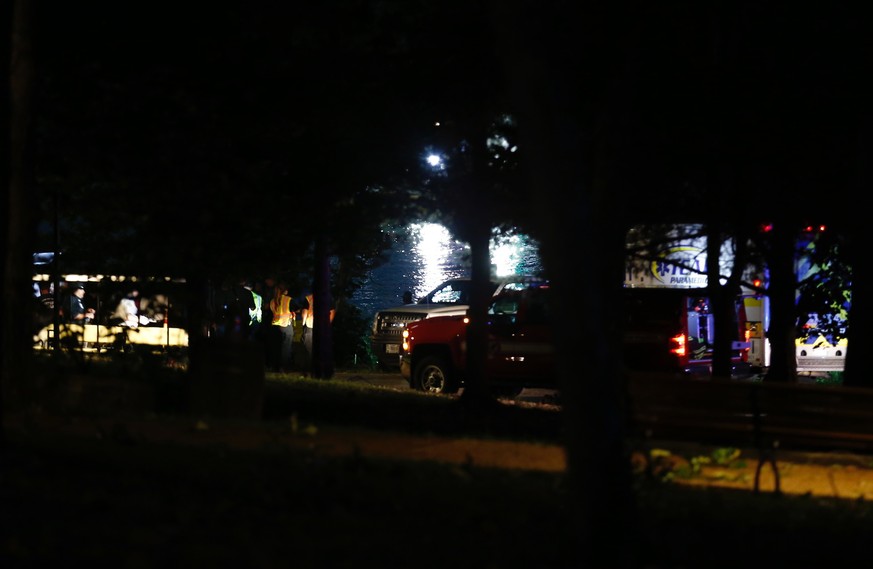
[(771, 94)]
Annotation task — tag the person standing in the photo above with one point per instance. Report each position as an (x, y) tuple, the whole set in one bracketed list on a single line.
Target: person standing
[(283, 328), (77, 313), (255, 314), (234, 304), (244, 306), (308, 316), (266, 332)]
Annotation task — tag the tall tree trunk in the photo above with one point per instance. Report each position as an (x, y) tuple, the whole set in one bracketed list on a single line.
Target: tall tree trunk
[(322, 338), (718, 298), (19, 205), (857, 372), (782, 333), (569, 142), (5, 193), (476, 390), (723, 298), (475, 226)]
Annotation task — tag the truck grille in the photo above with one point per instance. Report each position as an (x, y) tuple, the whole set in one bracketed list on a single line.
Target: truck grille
[(393, 323)]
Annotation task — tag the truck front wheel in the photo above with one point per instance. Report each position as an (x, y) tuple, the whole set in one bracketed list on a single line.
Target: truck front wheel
[(433, 375)]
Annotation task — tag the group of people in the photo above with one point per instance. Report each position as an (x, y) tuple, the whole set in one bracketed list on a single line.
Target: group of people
[(246, 310), (290, 328), (132, 310), (266, 312), (72, 307)]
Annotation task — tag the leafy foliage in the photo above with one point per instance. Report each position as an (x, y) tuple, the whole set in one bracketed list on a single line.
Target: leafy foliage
[(825, 290)]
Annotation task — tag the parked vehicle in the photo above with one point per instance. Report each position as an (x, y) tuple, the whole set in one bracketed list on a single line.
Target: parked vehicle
[(680, 263), (451, 298), (673, 330), (520, 347), (664, 331)]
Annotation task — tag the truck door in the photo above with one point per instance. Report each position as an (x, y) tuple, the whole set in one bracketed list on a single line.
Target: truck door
[(700, 323), (700, 331), (520, 347)]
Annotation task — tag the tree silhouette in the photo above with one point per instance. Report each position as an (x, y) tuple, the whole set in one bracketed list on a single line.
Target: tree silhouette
[(18, 199), (243, 144), (5, 194), (463, 116)]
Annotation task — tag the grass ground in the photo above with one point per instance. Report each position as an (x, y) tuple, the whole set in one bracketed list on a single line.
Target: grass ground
[(112, 499)]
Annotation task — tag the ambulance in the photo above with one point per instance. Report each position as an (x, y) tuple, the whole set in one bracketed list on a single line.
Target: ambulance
[(678, 271)]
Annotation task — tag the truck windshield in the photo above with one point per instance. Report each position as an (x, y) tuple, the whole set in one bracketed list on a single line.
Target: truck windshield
[(451, 292)]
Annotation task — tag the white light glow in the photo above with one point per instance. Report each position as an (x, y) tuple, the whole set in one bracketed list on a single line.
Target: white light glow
[(506, 255), (432, 245)]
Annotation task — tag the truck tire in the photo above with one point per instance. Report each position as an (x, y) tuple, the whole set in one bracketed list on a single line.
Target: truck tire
[(433, 375)]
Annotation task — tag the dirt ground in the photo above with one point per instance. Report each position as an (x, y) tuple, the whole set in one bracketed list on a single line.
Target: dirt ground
[(836, 475), (146, 491)]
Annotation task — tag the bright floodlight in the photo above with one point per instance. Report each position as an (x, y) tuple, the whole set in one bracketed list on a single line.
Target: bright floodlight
[(434, 160)]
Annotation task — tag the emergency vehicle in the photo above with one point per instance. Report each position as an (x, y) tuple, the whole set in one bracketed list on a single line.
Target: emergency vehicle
[(673, 330), (681, 266)]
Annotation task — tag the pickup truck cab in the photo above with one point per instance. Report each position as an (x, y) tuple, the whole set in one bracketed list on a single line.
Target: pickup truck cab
[(520, 347)]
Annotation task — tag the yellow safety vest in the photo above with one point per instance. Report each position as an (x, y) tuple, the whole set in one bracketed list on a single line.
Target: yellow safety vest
[(309, 313), (281, 307)]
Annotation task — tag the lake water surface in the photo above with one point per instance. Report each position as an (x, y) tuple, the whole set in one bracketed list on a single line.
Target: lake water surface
[(426, 255)]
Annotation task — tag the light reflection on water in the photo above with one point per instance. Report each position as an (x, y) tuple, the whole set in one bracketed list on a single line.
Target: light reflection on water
[(426, 255), (433, 248)]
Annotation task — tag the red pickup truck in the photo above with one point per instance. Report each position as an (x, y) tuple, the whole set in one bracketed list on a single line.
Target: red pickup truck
[(663, 331), (520, 347)]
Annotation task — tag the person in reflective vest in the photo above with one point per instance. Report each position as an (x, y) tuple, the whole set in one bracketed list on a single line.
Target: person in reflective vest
[(283, 326), (256, 312)]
